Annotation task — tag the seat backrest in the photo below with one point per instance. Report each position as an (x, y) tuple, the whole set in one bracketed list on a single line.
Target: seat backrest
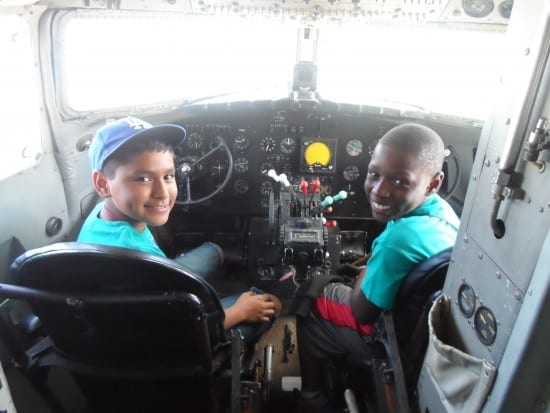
[(401, 335), (116, 307), (409, 315), (416, 292)]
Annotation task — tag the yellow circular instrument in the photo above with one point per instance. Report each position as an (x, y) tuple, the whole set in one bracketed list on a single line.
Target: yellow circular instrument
[(317, 153)]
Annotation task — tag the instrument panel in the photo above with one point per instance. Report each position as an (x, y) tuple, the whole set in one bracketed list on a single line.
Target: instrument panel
[(333, 148), (306, 144)]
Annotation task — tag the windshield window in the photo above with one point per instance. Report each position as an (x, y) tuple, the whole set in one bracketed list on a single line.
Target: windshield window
[(445, 71), (129, 60)]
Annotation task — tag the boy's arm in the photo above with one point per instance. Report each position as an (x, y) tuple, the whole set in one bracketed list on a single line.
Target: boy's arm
[(364, 311)]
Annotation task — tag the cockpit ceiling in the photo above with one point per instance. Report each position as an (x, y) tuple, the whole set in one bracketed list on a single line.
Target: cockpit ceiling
[(479, 14)]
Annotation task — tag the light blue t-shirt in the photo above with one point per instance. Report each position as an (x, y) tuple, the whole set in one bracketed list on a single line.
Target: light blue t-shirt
[(405, 243), (117, 234), (204, 260)]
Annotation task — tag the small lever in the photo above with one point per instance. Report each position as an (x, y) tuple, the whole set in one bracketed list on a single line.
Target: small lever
[(315, 186), (273, 175), (340, 195)]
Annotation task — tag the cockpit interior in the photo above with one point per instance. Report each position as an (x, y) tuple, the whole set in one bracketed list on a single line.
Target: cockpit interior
[(283, 103)]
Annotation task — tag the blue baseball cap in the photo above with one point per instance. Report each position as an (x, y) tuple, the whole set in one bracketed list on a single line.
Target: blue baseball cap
[(112, 136)]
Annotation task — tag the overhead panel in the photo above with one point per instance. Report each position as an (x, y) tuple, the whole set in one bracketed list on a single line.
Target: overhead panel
[(487, 12)]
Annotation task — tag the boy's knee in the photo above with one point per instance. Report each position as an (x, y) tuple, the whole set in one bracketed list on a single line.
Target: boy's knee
[(217, 248)]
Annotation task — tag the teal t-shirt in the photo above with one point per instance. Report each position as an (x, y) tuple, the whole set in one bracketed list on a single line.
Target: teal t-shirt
[(405, 243), (117, 234)]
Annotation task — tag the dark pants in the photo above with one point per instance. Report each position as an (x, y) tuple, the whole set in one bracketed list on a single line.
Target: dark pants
[(323, 339)]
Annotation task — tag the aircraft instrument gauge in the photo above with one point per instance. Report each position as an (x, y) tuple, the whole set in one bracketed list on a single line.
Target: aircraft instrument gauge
[(266, 187), (240, 165), (241, 143), (288, 145), (478, 8), (466, 300), (485, 325), (194, 140), (318, 156), (267, 144), (351, 173), (505, 8), (218, 168), (265, 167), (354, 147), (240, 186)]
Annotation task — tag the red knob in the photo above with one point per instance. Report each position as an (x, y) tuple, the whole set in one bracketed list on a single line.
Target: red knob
[(303, 187)]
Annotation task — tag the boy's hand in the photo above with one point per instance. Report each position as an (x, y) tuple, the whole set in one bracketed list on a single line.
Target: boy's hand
[(255, 307)]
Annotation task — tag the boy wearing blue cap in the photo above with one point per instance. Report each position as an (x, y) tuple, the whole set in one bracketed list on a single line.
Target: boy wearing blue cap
[(133, 170)]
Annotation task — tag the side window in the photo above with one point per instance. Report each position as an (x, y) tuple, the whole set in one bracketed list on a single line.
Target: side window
[(19, 106)]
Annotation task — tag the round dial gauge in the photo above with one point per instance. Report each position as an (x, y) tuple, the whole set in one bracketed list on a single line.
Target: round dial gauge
[(240, 165), (505, 8), (265, 167), (266, 187), (240, 186), (354, 147), (317, 153), (241, 143), (194, 140), (485, 325), (351, 173), (466, 300), (267, 144), (288, 145), (218, 168), (478, 8)]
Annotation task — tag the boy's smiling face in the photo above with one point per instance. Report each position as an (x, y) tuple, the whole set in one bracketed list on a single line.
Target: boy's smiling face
[(142, 191), (397, 182)]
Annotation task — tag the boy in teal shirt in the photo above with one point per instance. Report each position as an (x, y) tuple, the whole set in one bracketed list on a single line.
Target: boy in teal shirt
[(133, 170), (402, 181)]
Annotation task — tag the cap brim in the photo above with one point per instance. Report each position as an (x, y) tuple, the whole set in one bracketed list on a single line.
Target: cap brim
[(173, 135)]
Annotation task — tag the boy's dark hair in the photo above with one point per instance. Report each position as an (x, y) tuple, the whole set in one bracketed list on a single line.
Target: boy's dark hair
[(418, 139), (129, 150)]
